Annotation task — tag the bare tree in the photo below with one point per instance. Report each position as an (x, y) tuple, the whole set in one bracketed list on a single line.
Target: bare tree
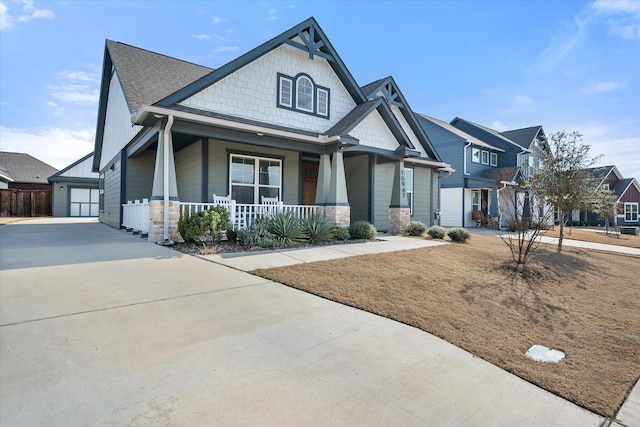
[(563, 181)]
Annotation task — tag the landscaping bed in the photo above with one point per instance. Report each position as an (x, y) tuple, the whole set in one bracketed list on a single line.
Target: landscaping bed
[(585, 304)]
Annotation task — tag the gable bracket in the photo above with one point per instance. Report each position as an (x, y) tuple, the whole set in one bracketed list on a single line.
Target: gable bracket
[(310, 45), (392, 95)]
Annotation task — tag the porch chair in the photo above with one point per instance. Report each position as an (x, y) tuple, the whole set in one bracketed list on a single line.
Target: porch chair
[(270, 204)]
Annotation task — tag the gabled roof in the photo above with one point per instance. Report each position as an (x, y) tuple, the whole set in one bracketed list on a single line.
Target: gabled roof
[(307, 36), (4, 175), (622, 186), (523, 137), (23, 168), (512, 173), (455, 131), (487, 130), (600, 173), (60, 175), (393, 96), (360, 112), (147, 77)]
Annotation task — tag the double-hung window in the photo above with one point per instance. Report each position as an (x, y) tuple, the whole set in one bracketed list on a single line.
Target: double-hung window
[(255, 177), (494, 159), (631, 212), (286, 92), (408, 186), (485, 157)]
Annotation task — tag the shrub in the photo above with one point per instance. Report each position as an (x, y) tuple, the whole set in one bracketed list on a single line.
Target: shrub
[(341, 233), (285, 228), (202, 226), (362, 230), (437, 232), (232, 235), (257, 235), (459, 235), (415, 228), (316, 228)]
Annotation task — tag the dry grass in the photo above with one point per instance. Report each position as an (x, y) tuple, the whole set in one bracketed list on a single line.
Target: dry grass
[(627, 240), (586, 304)]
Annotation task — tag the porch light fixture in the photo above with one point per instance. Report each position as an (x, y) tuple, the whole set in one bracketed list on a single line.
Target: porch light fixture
[(260, 134)]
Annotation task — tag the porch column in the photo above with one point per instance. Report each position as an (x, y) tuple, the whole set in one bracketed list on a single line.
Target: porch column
[(324, 178), (337, 210), (164, 192), (399, 210)]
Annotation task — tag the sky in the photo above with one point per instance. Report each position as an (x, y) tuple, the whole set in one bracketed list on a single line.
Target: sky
[(565, 65)]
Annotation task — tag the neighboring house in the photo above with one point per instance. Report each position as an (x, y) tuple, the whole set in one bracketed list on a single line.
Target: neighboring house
[(75, 189), (627, 191), (25, 190), (26, 172), (489, 168), (286, 120)]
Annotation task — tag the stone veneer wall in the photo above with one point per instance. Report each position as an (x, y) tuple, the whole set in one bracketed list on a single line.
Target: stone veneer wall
[(398, 219), (340, 216), (156, 221)]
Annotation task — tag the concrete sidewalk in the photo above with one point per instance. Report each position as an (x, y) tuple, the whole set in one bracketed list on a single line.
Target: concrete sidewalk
[(248, 261), (98, 327)]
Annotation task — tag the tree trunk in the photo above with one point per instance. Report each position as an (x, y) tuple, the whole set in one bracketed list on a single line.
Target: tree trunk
[(561, 216)]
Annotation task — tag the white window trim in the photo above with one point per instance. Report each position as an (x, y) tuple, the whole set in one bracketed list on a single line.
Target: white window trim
[(326, 94), (312, 103), (628, 209), (280, 97), (494, 159), (479, 204), (409, 190), (484, 157), (473, 157), (256, 176)]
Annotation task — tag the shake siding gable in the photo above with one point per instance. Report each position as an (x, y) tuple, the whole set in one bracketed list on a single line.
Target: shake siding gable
[(374, 132), (407, 129), (117, 130), (251, 91)]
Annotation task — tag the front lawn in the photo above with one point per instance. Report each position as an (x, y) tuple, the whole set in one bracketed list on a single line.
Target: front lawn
[(586, 304)]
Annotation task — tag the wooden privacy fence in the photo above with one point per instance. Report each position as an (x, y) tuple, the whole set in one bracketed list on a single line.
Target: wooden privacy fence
[(15, 202)]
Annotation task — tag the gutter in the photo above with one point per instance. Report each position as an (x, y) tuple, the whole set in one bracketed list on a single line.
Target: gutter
[(146, 110)]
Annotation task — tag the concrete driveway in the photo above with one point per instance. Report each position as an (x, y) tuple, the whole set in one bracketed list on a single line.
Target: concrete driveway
[(99, 327)]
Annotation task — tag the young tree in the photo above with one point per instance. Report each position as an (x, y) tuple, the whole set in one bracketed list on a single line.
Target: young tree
[(605, 205), (563, 181)]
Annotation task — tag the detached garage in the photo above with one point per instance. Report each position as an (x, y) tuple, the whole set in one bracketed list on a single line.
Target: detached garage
[(75, 190)]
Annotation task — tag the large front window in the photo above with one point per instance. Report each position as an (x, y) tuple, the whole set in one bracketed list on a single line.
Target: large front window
[(255, 177), (631, 212)]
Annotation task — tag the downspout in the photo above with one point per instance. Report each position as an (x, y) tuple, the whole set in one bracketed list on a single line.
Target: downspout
[(465, 157), (464, 186), (167, 135)]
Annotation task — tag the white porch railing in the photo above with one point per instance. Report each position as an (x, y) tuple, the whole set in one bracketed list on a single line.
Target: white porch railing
[(135, 216), (241, 215)]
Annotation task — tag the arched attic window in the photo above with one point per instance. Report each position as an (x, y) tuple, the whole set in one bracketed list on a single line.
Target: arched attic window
[(304, 94)]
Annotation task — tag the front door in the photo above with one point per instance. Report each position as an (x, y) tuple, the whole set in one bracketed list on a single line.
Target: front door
[(309, 182)]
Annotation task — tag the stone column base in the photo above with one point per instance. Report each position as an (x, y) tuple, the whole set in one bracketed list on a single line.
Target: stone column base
[(399, 218), (340, 216), (156, 221)]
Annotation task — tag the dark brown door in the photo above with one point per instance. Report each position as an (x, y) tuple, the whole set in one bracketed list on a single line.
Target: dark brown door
[(309, 182)]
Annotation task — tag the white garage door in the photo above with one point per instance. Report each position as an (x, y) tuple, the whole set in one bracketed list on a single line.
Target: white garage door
[(83, 202)]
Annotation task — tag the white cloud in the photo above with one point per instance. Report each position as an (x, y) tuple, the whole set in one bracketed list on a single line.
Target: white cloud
[(627, 32), (54, 146), (79, 87), (560, 47), (81, 76), (201, 36), (600, 87), (6, 21), (622, 17), (217, 20), (272, 15), (522, 100), (222, 49), (610, 7)]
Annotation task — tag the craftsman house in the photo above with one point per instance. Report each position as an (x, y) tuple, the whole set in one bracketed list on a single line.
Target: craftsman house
[(489, 166), (286, 122), (626, 190)]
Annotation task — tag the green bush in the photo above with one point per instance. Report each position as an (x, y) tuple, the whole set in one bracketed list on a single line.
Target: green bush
[(415, 228), (436, 232), (316, 228), (341, 233), (459, 235), (285, 228), (202, 226), (232, 235), (362, 230)]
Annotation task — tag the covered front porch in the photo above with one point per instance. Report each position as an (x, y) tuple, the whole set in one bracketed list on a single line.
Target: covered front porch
[(179, 166)]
